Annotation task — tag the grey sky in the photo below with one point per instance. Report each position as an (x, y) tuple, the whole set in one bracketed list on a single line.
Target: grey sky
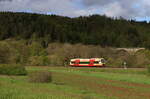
[(73, 8)]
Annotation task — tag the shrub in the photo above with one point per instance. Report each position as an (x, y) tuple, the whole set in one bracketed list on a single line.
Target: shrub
[(39, 61), (12, 69), (36, 49), (142, 60), (40, 77), (19, 52), (56, 60), (4, 52), (111, 62), (148, 69)]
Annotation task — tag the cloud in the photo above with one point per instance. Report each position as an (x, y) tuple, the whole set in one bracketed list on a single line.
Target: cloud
[(145, 7), (61, 7), (125, 8), (117, 10), (5, 0), (96, 2)]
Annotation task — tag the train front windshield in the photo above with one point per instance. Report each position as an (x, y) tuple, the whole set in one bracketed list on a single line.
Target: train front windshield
[(103, 61)]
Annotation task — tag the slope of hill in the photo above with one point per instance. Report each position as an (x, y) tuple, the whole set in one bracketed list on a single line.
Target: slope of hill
[(95, 29)]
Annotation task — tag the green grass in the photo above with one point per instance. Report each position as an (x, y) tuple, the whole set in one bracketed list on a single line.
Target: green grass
[(20, 88), (129, 75), (12, 69), (79, 83), (135, 78), (107, 70)]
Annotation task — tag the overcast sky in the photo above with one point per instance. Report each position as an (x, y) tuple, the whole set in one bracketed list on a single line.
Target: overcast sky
[(135, 9)]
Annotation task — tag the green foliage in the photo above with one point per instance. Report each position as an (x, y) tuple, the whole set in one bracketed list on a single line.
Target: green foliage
[(59, 54), (36, 49), (94, 29), (12, 69), (19, 52), (30, 39), (39, 61), (40, 77), (111, 62), (13, 52), (4, 53), (148, 69)]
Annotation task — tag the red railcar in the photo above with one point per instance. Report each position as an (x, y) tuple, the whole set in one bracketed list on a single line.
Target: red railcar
[(93, 62)]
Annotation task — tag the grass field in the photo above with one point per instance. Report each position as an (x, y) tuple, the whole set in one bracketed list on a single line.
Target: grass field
[(79, 83)]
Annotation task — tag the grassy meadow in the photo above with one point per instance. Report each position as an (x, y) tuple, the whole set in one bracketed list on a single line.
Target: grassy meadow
[(79, 83)]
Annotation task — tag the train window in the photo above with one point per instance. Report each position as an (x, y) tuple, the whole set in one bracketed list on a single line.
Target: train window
[(84, 63), (103, 60), (96, 62), (72, 62)]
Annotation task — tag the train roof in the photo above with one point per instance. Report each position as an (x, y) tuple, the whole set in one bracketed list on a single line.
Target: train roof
[(86, 59)]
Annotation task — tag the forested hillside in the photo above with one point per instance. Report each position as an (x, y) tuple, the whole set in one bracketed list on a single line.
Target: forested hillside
[(95, 30)]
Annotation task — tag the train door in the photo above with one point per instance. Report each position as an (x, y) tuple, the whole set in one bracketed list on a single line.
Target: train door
[(77, 62), (92, 62)]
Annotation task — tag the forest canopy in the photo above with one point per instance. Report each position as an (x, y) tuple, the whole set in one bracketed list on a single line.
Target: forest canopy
[(89, 30)]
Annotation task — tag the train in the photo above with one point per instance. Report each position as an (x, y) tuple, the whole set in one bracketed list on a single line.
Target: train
[(91, 62)]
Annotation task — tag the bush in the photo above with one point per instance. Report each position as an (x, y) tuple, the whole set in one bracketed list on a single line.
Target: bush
[(115, 63), (12, 69), (148, 69), (39, 61), (4, 52), (40, 77), (56, 60)]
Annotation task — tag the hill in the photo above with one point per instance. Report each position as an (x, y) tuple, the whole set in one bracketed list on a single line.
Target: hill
[(94, 29)]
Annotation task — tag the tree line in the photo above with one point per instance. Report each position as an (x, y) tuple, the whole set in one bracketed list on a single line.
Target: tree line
[(89, 30), (59, 54)]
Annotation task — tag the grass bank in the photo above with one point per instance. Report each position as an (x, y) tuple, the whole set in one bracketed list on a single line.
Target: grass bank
[(78, 83)]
